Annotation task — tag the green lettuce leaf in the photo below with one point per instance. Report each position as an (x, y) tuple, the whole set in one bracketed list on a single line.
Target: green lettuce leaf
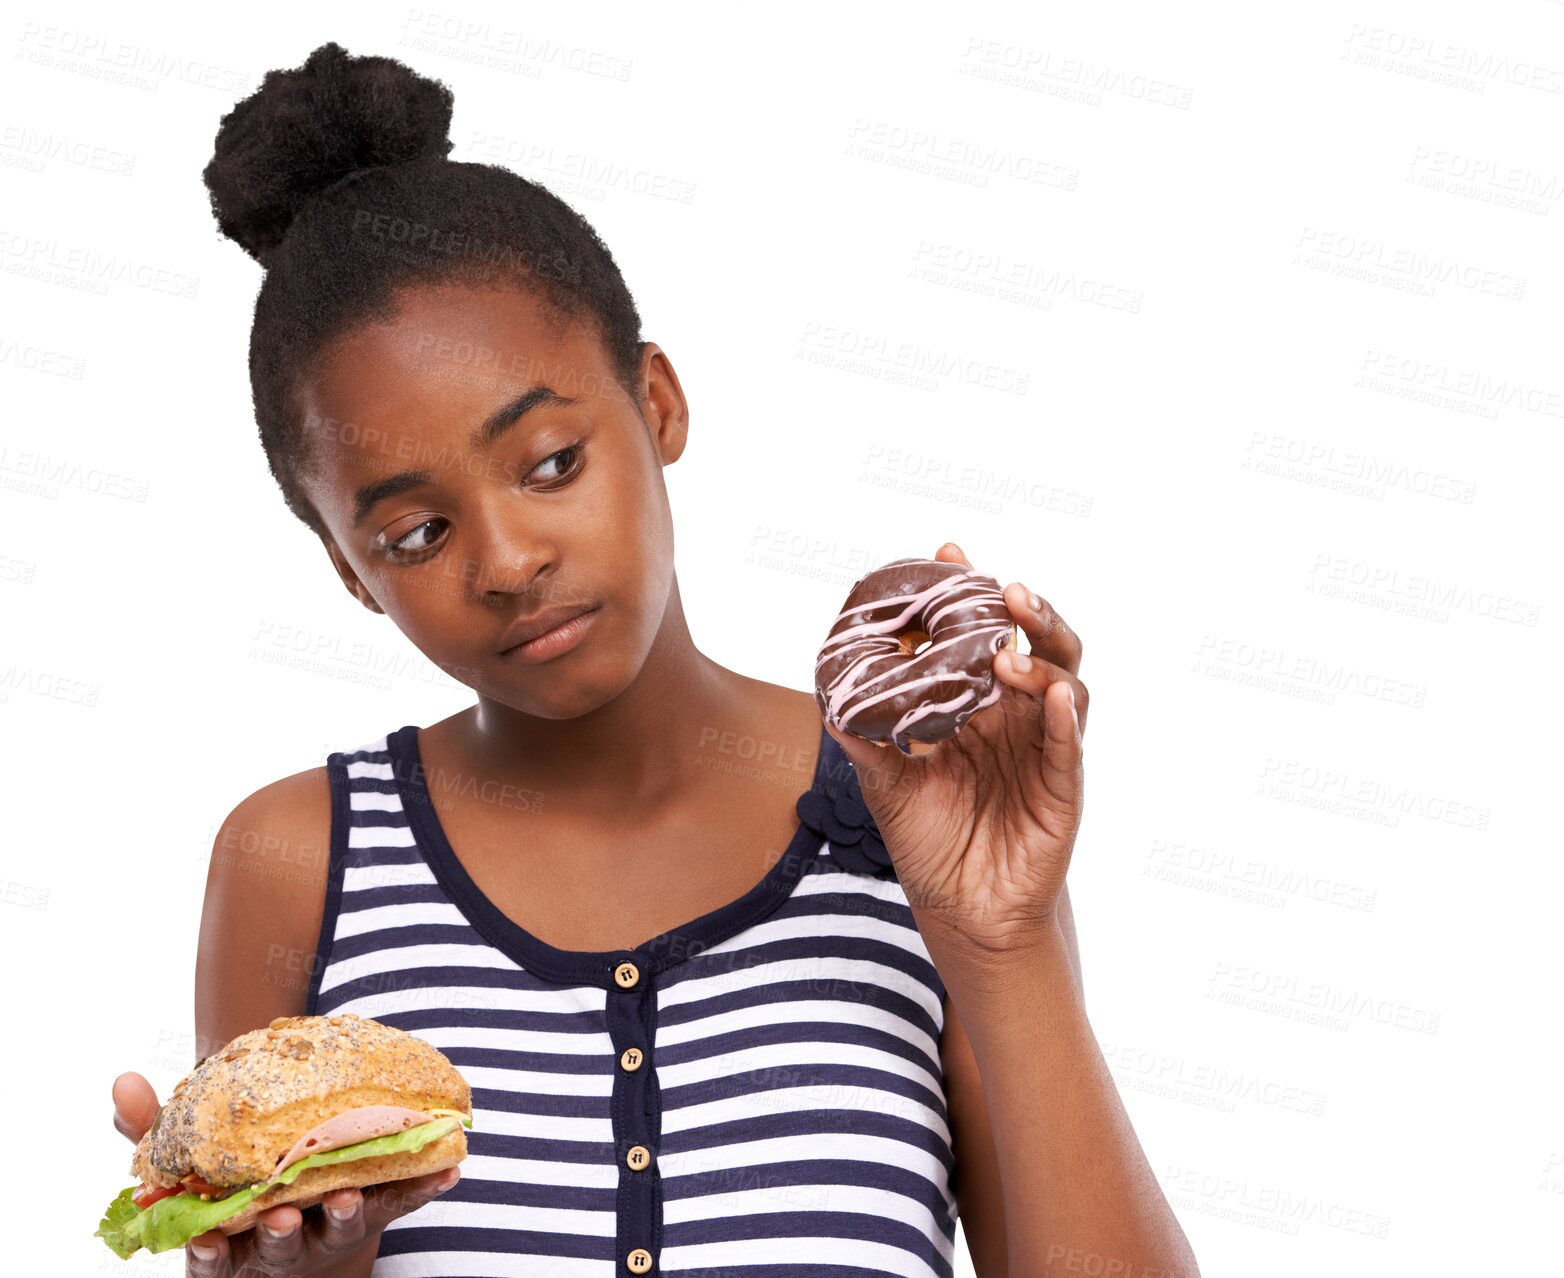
[(173, 1221), (114, 1227)]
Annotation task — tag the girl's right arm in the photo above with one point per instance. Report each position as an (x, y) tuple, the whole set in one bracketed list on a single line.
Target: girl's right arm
[(265, 898)]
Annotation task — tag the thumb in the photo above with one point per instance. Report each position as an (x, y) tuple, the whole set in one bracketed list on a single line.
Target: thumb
[(135, 1105)]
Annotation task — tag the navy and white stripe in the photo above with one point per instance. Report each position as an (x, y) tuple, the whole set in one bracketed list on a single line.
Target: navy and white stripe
[(791, 1093)]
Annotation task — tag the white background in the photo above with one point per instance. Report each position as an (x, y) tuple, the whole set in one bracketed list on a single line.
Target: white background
[(1232, 330)]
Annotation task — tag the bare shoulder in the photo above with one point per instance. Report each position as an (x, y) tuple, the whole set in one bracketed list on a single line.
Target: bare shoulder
[(782, 719), (265, 899)]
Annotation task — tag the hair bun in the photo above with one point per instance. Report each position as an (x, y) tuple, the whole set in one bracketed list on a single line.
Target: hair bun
[(308, 127)]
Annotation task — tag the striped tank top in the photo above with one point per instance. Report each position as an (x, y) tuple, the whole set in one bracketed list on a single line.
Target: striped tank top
[(756, 1093)]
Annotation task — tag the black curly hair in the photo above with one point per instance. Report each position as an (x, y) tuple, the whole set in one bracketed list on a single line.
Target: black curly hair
[(333, 176)]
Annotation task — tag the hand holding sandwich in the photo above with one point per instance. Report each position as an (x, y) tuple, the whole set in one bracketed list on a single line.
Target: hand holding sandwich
[(351, 1114), (285, 1238)]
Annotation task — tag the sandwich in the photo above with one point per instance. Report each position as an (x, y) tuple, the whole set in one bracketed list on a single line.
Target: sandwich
[(285, 1115)]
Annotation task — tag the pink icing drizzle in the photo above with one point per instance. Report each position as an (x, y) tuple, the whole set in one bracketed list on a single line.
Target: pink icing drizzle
[(872, 668)]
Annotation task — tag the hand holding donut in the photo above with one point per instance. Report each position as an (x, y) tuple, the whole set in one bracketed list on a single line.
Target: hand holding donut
[(980, 825)]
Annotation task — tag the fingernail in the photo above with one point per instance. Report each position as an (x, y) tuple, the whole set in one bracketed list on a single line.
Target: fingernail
[(950, 545), (339, 1213), (1020, 662), (203, 1251), (1034, 601), (279, 1233)]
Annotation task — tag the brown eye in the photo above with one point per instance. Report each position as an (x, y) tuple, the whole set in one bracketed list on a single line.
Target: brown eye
[(573, 452), (407, 543)]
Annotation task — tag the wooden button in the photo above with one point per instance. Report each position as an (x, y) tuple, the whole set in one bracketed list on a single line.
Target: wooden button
[(626, 975), (630, 1059), (639, 1158), (639, 1260)]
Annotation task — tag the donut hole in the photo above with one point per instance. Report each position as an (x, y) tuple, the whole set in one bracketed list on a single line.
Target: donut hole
[(913, 642)]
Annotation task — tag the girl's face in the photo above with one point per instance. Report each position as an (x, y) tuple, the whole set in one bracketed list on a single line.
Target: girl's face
[(474, 466)]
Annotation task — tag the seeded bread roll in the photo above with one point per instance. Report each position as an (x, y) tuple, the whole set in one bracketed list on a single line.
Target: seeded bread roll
[(240, 1110)]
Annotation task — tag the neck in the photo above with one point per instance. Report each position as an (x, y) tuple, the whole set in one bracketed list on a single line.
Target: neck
[(637, 749)]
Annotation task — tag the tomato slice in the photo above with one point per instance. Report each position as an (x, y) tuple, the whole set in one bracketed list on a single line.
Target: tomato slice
[(195, 1185), (145, 1197)]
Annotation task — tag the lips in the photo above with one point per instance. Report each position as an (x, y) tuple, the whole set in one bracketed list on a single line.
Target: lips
[(524, 629)]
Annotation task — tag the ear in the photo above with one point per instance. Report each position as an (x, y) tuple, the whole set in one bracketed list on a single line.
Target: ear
[(664, 408), (350, 579)]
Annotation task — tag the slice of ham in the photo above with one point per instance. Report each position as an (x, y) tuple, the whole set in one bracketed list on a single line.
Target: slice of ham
[(351, 1126)]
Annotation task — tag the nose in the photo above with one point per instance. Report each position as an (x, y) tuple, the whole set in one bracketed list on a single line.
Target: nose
[(509, 554)]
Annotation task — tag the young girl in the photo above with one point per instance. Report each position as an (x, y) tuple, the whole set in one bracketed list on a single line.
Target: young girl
[(710, 1021)]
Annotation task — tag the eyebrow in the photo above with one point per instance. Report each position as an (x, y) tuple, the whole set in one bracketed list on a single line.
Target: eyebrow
[(495, 425)]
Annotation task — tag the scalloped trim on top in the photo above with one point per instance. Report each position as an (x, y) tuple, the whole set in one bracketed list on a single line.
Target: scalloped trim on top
[(835, 810)]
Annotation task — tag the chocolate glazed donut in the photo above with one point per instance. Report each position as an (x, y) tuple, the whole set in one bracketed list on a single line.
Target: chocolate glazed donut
[(870, 678)]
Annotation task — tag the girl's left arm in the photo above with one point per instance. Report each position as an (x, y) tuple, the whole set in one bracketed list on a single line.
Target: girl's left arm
[(976, 1180), (1050, 1177), (980, 829)]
